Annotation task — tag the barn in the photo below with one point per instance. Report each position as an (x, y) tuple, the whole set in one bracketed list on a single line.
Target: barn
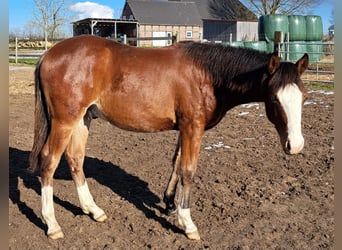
[(164, 19), (232, 22), (105, 27), (160, 22)]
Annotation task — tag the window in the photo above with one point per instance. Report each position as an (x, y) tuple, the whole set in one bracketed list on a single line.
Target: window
[(169, 34), (188, 34)]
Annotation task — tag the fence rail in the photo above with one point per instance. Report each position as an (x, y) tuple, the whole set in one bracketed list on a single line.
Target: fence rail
[(321, 59)]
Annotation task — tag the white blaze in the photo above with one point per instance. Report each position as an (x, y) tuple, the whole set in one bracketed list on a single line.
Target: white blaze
[(290, 97)]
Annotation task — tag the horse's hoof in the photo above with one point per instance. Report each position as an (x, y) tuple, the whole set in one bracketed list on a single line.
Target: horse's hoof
[(56, 235), (101, 218), (193, 235)]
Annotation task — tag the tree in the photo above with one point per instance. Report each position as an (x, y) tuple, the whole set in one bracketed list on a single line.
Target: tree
[(50, 15), (232, 9), (332, 19), (265, 7)]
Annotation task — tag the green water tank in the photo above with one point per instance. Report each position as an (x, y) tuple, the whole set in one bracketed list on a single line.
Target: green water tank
[(315, 50), (225, 44), (275, 22), (237, 44), (297, 28), (297, 50), (270, 46), (257, 45), (314, 28), (261, 31)]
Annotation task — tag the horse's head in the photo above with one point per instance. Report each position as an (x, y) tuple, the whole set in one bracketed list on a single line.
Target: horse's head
[(285, 100)]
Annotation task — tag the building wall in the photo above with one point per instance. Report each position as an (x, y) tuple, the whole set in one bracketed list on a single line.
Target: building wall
[(150, 30), (215, 30), (247, 31), (219, 30)]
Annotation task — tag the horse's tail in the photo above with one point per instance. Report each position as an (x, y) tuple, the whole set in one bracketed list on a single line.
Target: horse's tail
[(41, 122)]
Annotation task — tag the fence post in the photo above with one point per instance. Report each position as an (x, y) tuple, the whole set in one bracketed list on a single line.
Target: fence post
[(278, 41), (287, 58), (125, 39), (16, 50), (46, 41)]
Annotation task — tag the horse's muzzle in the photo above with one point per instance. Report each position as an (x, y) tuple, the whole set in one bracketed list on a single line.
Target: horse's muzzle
[(292, 147)]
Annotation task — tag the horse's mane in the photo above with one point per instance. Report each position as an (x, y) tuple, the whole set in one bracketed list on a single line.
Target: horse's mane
[(223, 64)]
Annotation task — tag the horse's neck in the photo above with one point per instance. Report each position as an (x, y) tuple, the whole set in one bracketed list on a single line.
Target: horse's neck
[(250, 89)]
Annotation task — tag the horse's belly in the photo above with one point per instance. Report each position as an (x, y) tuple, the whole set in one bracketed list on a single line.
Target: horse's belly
[(146, 126), (139, 118)]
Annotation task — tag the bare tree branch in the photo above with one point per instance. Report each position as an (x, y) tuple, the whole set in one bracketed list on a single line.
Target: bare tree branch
[(229, 10), (50, 15), (265, 7)]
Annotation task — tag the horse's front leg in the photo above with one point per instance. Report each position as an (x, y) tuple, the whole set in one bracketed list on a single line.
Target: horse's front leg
[(191, 138)]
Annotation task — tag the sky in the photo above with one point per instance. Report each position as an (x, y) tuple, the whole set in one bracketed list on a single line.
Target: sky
[(21, 11)]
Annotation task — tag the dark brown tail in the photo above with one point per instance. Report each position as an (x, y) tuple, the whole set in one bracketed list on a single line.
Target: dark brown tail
[(41, 122)]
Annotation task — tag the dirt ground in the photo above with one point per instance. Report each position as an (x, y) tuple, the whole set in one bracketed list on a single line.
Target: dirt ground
[(247, 194)]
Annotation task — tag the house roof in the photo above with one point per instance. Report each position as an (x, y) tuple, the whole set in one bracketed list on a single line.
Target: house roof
[(186, 12), (165, 12), (233, 10)]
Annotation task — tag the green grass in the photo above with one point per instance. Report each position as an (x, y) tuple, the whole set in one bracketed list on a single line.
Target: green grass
[(25, 61), (319, 86)]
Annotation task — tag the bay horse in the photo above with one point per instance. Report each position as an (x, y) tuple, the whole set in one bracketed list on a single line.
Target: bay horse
[(187, 87)]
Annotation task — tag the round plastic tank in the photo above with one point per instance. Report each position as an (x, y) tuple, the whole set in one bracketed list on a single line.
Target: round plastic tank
[(315, 51), (275, 22), (314, 28), (297, 50), (297, 28), (237, 44), (270, 47), (257, 45), (225, 44), (261, 31)]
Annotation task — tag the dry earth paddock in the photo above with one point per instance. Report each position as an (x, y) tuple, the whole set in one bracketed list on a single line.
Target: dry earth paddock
[(247, 194)]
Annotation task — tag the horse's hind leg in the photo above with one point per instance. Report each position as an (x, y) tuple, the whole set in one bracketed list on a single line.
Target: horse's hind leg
[(52, 150), (170, 192), (75, 153)]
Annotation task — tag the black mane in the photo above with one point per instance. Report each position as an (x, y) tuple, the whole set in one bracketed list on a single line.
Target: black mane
[(224, 64)]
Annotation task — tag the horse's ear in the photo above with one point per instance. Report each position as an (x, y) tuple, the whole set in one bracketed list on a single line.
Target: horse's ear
[(303, 63), (273, 63)]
